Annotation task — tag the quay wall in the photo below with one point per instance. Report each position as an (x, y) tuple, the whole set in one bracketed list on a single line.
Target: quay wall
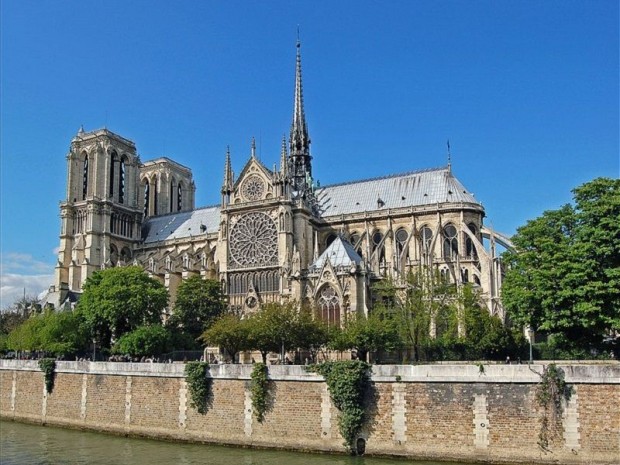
[(442, 412)]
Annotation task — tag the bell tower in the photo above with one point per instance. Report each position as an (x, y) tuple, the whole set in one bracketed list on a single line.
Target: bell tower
[(101, 215)]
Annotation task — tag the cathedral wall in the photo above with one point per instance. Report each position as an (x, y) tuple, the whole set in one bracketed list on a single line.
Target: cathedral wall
[(433, 412)]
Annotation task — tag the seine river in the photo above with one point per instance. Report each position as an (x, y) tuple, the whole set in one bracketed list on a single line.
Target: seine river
[(22, 444)]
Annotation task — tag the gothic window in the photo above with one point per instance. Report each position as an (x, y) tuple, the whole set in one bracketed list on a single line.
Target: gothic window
[(121, 181), (171, 195), (147, 189), (155, 197), (470, 248), (401, 242), (355, 242), (179, 197), (450, 243), (125, 255), (253, 188), (328, 305), (427, 239), (331, 238), (477, 280), (465, 276), (85, 177), (377, 245), (253, 241), (113, 255), (113, 161), (377, 237)]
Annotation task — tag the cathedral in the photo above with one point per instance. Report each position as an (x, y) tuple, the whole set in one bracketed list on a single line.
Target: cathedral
[(276, 235)]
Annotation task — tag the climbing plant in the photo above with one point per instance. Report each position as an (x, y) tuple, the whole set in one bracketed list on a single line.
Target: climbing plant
[(549, 394), (347, 382), (48, 367), (199, 385), (259, 390)]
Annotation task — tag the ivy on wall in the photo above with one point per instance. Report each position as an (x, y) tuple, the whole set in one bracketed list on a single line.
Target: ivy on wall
[(48, 367), (199, 385), (549, 395), (347, 381), (259, 390)]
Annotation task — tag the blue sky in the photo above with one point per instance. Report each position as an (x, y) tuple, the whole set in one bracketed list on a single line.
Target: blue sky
[(526, 92)]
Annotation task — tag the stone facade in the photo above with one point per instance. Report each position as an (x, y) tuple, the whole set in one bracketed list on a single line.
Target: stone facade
[(276, 234), (422, 412)]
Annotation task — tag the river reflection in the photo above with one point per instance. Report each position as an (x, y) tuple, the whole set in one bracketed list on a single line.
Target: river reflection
[(22, 444)]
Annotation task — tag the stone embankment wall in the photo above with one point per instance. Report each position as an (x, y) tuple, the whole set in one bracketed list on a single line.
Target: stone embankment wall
[(428, 411)]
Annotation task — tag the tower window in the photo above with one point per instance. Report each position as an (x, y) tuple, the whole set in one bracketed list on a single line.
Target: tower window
[(179, 197), (113, 160), (121, 181), (85, 178), (147, 188)]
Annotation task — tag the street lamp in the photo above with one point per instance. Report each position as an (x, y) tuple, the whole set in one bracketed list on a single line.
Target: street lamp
[(530, 336), (94, 348)]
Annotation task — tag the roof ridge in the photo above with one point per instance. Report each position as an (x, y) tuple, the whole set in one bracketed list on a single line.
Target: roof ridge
[(184, 211), (388, 176)]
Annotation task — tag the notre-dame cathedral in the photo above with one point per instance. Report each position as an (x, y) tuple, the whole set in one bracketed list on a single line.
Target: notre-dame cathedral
[(275, 235)]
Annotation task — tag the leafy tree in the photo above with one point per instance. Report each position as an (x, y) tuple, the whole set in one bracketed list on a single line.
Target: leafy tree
[(377, 331), (10, 319), (229, 332), (199, 303), (116, 301), (143, 341), (564, 276), (58, 333), (280, 327)]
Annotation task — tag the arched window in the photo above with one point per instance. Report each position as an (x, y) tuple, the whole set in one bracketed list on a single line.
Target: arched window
[(470, 248), (113, 161), (401, 237), (113, 255), (427, 239), (171, 195), (155, 197), (331, 238), (179, 197), (450, 242), (85, 177), (328, 305), (147, 197), (121, 181), (377, 237), (354, 239)]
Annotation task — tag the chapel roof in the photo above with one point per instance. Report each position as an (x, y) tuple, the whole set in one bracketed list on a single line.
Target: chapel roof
[(181, 224), (415, 188), (339, 253)]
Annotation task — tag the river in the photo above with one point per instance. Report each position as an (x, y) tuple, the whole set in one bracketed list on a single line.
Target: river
[(23, 444)]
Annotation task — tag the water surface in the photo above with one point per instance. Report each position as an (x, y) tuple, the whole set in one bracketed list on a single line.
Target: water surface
[(22, 444)]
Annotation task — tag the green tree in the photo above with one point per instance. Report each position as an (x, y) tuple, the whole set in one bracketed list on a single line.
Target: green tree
[(198, 304), (563, 277), (58, 333), (377, 331), (116, 301), (143, 341), (229, 332)]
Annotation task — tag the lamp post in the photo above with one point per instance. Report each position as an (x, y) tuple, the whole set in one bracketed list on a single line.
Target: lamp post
[(94, 348), (530, 336)]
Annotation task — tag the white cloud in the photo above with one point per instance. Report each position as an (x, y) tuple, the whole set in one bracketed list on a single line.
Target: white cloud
[(12, 286), (21, 271)]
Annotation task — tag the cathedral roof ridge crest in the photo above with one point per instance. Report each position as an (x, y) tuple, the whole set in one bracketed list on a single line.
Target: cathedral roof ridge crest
[(387, 176)]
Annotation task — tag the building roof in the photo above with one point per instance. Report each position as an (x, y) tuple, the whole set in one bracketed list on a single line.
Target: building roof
[(339, 253), (416, 188), (181, 224)]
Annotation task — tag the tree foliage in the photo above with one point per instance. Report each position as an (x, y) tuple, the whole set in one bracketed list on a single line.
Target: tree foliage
[(199, 302), (118, 300), (377, 331), (143, 341), (564, 276), (58, 333), (229, 332)]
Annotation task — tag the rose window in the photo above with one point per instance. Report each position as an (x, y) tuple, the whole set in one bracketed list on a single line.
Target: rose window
[(253, 188), (253, 241)]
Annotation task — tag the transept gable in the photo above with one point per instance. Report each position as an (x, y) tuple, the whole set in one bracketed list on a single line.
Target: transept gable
[(255, 183)]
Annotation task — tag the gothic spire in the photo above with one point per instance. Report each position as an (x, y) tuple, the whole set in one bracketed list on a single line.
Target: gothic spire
[(283, 158), (228, 174), (300, 141), (253, 149)]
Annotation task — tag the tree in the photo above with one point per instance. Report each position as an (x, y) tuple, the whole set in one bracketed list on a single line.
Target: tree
[(116, 301), (377, 331), (229, 332), (199, 303), (563, 277), (143, 341), (58, 333)]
